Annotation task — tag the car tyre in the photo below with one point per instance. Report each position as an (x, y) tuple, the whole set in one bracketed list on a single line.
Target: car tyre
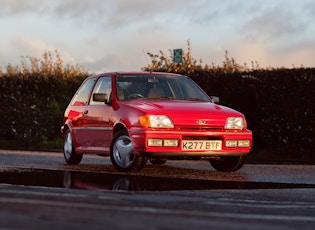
[(122, 155), (228, 164), (69, 151)]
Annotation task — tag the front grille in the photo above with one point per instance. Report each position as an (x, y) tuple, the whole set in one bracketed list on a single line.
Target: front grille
[(198, 128)]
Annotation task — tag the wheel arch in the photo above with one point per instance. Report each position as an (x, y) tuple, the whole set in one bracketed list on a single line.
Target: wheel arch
[(63, 130), (119, 127)]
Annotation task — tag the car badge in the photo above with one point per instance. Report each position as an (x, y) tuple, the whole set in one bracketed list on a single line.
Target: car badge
[(200, 122)]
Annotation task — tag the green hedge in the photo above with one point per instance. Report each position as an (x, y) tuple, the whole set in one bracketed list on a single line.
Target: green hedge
[(278, 104), (32, 106)]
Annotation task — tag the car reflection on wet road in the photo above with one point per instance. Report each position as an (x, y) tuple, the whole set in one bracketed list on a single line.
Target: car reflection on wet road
[(103, 181), (48, 169), (38, 191)]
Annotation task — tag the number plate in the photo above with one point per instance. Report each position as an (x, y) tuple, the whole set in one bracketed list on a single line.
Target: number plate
[(201, 145)]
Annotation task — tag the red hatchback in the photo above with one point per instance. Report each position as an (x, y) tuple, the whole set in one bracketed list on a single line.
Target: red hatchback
[(139, 116)]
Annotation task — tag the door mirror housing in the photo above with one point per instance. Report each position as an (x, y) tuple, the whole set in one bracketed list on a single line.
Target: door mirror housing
[(100, 97), (215, 99)]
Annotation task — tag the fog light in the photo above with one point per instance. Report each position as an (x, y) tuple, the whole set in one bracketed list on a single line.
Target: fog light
[(171, 142), (155, 142), (243, 143), (230, 143)]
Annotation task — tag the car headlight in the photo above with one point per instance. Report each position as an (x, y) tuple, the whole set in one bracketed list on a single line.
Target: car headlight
[(156, 121), (235, 123)]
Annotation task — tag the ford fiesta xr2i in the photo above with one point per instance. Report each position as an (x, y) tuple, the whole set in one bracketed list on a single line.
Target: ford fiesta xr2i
[(138, 116)]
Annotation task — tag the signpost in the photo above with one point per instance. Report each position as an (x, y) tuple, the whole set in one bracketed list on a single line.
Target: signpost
[(178, 55)]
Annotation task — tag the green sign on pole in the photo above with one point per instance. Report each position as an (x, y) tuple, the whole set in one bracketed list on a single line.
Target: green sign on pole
[(178, 55)]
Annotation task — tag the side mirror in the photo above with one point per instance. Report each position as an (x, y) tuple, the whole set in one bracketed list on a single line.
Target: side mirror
[(215, 99), (100, 97)]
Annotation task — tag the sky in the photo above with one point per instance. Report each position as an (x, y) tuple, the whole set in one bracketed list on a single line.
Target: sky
[(115, 35)]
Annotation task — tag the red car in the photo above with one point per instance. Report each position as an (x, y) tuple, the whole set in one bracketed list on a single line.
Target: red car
[(138, 116)]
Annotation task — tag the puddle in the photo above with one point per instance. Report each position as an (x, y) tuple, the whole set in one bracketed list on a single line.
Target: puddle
[(103, 181)]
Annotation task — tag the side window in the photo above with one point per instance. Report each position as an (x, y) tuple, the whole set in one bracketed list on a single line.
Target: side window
[(81, 97), (103, 85)]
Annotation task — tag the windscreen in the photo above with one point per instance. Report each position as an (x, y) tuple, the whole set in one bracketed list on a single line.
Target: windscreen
[(132, 87)]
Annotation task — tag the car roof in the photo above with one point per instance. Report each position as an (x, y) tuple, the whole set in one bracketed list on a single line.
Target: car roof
[(135, 73)]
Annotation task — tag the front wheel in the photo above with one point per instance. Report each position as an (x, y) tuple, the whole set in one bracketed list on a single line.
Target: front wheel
[(228, 164), (68, 150), (122, 156)]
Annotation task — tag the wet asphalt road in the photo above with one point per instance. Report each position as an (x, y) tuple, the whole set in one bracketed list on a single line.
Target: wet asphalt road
[(38, 190)]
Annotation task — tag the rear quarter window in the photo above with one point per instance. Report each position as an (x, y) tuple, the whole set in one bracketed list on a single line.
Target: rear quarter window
[(81, 98)]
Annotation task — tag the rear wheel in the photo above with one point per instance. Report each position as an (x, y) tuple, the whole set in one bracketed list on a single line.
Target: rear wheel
[(68, 150), (228, 164), (122, 156)]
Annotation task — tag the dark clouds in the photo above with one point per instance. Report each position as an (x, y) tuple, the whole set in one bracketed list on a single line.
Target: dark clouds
[(116, 33), (273, 23), (113, 13)]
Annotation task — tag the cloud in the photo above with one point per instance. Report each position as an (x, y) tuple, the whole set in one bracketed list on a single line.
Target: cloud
[(300, 53), (22, 47), (273, 22), (113, 14), (78, 8), (35, 48), (30, 45), (115, 34), (13, 8)]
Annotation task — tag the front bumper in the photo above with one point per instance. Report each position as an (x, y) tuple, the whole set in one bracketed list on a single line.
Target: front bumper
[(140, 142)]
